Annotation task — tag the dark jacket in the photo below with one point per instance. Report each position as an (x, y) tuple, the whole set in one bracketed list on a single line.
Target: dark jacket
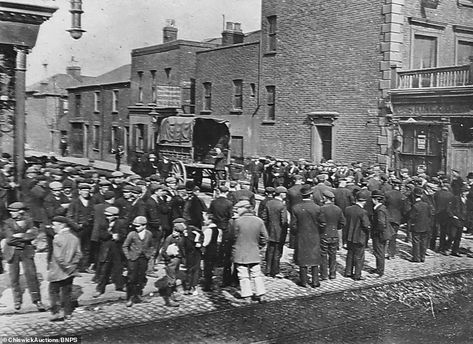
[(17, 245), (110, 248), (380, 226), (221, 211), (357, 225), (334, 220), (275, 220), (343, 198), (420, 217), (394, 202), (134, 247), (457, 212)]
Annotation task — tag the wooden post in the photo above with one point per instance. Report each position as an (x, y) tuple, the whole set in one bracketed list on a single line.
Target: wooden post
[(20, 87)]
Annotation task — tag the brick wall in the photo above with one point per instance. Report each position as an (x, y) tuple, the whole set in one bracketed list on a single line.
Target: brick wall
[(221, 67), (105, 118), (327, 59)]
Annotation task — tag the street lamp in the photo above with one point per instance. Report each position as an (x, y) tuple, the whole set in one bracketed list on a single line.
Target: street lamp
[(76, 11)]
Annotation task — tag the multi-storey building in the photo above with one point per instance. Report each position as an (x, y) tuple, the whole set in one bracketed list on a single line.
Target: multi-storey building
[(383, 81), (46, 110), (98, 115), (162, 84)]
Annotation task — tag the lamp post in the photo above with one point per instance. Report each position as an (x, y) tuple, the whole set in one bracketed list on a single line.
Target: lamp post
[(76, 11)]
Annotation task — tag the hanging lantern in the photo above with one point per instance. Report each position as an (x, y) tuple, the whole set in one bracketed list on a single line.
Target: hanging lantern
[(76, 11)]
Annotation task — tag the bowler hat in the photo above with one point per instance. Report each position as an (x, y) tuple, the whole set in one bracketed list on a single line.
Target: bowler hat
[(328, 194), (418, 191), (363, 195)]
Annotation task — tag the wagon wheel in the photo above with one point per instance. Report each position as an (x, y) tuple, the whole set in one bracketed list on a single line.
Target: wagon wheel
[(178, 170)]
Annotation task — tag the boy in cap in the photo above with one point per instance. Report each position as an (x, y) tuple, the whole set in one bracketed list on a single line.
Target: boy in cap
[(172, 253), (19, 233), (192, 245), (212, 240), (138, 249), (66, 256)]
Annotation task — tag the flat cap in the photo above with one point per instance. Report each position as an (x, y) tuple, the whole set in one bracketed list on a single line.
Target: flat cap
[(223, 188), (280, 189), (363, 195), (306, 190), (111, 211), (105, 183), (61, 219), (243, 204), (116, 174), (16, 206), (179, 220), (140, 220), (108, 195), (377, 194), (84, 186), (55, 186), (67, 183), (269, 189), (328, 194), (170, 180)]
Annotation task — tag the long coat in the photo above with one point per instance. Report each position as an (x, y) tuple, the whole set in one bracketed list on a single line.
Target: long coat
[(394, 202), (357, 225), (307, 228), (250, 236)]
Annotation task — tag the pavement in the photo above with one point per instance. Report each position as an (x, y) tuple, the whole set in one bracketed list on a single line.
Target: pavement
[(109, 311), (99, 164)]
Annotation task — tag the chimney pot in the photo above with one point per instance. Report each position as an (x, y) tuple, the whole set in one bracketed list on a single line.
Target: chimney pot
[(229, 26), (170, 31), (74, 71)]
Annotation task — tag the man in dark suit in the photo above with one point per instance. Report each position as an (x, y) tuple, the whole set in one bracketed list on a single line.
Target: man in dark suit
[(275, 219), (334, 221), (458, 216), (112, 234), (443, 198), (420, 220), (294, 197), (381, 230), (394, 202), (357, 233), (306, 227)]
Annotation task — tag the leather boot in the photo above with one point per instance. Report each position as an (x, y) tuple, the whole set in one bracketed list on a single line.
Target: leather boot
[(315, 277), (303, 276), (167, 298)]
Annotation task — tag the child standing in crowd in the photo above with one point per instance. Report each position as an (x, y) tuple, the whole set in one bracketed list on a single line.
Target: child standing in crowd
[(192, 244), (138, 249)]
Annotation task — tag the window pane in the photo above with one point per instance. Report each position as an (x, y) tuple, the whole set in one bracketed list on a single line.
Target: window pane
[(425, 52), (465, 50)]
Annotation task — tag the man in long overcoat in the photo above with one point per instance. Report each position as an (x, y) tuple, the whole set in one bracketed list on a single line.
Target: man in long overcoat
[(357, 231), (306, 227), (394, 201)]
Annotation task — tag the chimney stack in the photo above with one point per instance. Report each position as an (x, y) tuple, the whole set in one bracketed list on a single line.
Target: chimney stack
[(232, 34), (74, 70), (170, 31)]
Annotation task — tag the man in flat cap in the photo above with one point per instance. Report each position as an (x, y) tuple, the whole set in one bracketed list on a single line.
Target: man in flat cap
[(111, 234), (420, 223), (66, 256), (19, 232), (276, 222), (81, 212), (250, 237), (357, 229), (332, 216), (381, 230)]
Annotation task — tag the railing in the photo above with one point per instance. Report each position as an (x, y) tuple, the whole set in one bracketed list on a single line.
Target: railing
[(435, 77)]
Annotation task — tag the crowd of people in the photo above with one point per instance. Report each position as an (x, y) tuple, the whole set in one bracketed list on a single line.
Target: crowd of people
[(118, 227)]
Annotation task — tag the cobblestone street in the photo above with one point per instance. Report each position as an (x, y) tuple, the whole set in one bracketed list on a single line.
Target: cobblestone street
[(104, 313)]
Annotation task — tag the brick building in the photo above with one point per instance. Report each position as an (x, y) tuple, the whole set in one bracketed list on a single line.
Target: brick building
[(328, 80), (98, 115), (162, 84), (46, 110)]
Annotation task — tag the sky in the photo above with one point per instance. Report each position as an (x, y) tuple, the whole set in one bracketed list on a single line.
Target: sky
[(115, 27)]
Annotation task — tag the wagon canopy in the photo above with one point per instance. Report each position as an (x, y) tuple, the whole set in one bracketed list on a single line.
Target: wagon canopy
[(180, 129)]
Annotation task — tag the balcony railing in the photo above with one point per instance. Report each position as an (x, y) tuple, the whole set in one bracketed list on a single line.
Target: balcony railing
[(435, 77)]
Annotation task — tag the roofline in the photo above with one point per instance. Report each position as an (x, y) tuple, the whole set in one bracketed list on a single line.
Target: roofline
[(228, 47), (100, 85), (170, 46)]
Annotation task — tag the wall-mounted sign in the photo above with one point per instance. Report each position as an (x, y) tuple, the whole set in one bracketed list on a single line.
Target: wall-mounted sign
[(421, 142)]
